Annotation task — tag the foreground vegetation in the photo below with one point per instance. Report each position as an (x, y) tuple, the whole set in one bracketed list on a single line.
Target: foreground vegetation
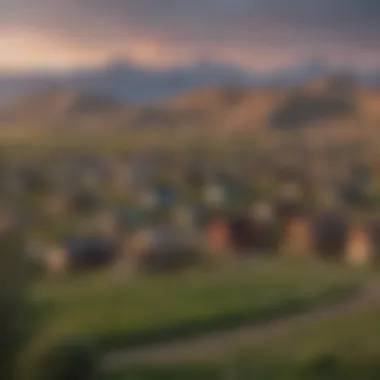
[(211, 371), (118, 312), (13, 283), (342, 348)]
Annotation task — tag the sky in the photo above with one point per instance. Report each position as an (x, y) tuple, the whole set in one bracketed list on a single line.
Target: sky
[(254, 34)]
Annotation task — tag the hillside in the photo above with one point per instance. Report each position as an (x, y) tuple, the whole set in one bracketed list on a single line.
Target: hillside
[(60, 107), (127, 81), (328, 101)]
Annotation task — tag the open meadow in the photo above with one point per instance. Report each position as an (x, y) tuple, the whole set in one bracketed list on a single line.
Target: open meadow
[(338, 348), (117, 314)]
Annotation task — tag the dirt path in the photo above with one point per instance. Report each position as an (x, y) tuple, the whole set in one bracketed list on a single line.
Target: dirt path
[(213, 345)]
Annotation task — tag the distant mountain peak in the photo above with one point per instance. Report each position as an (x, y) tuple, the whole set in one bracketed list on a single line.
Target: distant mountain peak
[(127, 81)]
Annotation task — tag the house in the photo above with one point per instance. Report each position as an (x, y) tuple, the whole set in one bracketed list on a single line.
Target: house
[(374, 234), (106, 223), (158, 196), (263, 211), (298, 237), (359, 249), (215, 195), (57, 260), (288, 208), (164, 248), (83, 201), (330, 231), (56, 205), (83, 253), (242, 233), (218, 237)]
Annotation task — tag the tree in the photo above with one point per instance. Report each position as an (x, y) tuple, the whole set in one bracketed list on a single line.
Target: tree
[(13, 281)]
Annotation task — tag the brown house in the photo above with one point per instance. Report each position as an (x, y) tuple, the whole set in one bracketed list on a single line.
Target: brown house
[(298, 238), (359, 249), (218, 237)]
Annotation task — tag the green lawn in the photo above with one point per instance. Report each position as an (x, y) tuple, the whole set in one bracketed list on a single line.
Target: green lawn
[(180, 372), (120, 312), (342, 348)]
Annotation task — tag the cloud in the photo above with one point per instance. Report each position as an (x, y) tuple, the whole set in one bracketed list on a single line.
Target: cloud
[(253, 32)]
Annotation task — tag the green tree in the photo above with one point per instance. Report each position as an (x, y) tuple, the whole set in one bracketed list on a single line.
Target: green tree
[(13, 281)]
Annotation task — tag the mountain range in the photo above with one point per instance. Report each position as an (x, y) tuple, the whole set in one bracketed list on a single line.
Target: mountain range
[(131, 83), (327, 101)]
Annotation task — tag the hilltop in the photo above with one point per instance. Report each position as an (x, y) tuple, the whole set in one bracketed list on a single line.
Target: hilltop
[(61, 107), (331, 100)]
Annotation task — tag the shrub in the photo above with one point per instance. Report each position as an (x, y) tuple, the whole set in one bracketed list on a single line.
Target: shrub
[(12, 297), (48, 360)]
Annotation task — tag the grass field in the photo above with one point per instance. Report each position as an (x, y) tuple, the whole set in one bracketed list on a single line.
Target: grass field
[(182, 372), (342, 348), (118, 312)]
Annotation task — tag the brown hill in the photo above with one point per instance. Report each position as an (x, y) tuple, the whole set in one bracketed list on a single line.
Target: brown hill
[(209, 98), (224, 109), (302, 109), (60, 106), (327, 102), (339, 83)]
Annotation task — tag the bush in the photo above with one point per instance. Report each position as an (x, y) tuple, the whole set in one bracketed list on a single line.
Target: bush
[(324, 366), (12, 297), (76, 360), (36, 269)]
